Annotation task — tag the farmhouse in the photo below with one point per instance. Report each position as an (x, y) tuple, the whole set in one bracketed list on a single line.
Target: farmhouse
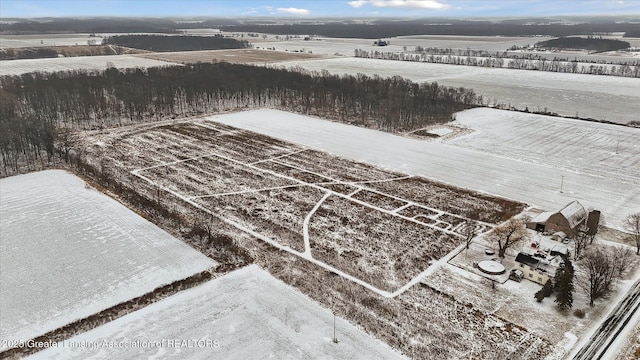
[(533, 269), (567, 220)]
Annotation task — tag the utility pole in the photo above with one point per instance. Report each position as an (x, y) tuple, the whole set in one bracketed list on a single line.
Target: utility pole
[(561, 182), (335, 339), (618, 144)]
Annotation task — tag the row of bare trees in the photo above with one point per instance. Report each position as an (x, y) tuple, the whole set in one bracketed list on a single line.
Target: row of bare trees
[(631, 69)]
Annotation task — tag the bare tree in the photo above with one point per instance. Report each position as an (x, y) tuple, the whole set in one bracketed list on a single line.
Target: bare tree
[(633, 224), (511, 233), (469, 232), (622, 258), (600, 274), (581, 241)]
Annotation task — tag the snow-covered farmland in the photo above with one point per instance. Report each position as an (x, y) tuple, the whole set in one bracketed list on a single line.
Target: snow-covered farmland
[(68, 251), (511, 177), (244, 314), (20, 41), (585, 147), (18, 67), (612, 98), (346, 46)]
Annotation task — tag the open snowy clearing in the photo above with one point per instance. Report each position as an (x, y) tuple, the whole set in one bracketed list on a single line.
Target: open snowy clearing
[(244, 314), (68, 251), (19, 67), (20, 41), (611, 98), (536, 184), (586, 147), (236, 56)]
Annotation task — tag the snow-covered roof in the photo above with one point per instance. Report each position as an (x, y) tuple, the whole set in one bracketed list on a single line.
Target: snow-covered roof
[(574, 212), (542, 217), (559, 249)]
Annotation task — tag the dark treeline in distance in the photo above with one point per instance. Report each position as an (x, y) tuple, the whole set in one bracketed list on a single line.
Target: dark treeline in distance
[(383, 29), (57, 51), (161, 43), (38, 110), (373, 29), (589, 43), (91, 25)]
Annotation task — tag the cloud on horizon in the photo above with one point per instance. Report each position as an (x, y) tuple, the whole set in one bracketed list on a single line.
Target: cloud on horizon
[(403, 4), (294, 11)]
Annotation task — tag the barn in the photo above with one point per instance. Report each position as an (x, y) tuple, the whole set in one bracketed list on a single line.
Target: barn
[(568, 220)]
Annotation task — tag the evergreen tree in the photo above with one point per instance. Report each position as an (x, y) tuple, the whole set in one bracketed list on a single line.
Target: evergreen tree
[(546, 291), (564, 285)]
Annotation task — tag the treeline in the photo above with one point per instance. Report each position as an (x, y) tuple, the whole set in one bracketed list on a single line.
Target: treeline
[(588, 43), (386, 29), (161, 43), (27, 53), (374, 29), (66, 51), (36, 108), (91, 25), (540, 64), (511, 54)]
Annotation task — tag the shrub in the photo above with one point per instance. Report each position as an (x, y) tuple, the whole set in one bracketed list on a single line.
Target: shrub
[(579, 313)]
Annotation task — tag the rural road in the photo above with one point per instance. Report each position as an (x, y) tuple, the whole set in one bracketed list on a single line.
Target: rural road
[(599, 344)]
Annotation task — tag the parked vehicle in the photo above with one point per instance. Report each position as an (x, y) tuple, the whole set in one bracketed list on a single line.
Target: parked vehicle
[(516, 275)]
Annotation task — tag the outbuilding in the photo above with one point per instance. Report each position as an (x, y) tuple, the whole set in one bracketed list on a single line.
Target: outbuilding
[(568, 220)]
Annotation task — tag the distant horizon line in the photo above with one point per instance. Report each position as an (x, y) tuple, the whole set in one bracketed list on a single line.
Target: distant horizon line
[(285, 17)]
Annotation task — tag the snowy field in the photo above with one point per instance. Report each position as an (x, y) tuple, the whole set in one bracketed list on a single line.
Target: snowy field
[(244, 314), (346, 46), (513, 178), (68, 251), (611, 98), (20, 41), (18, 67), (586, 147)]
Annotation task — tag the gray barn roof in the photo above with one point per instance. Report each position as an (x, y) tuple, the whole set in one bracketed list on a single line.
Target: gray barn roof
[(574, 212)]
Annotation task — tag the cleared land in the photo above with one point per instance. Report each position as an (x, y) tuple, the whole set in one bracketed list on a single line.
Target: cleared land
[(239, 56), (244, 314), (344, 232), (68, 251), (610, 98), (510, 177), (18, 67), (17, 41), (343, 215)]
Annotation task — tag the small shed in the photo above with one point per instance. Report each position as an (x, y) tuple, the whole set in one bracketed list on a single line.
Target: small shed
[(559, 250)]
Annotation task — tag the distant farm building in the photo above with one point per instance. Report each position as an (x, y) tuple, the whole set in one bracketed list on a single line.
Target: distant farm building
[(568, 220)]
